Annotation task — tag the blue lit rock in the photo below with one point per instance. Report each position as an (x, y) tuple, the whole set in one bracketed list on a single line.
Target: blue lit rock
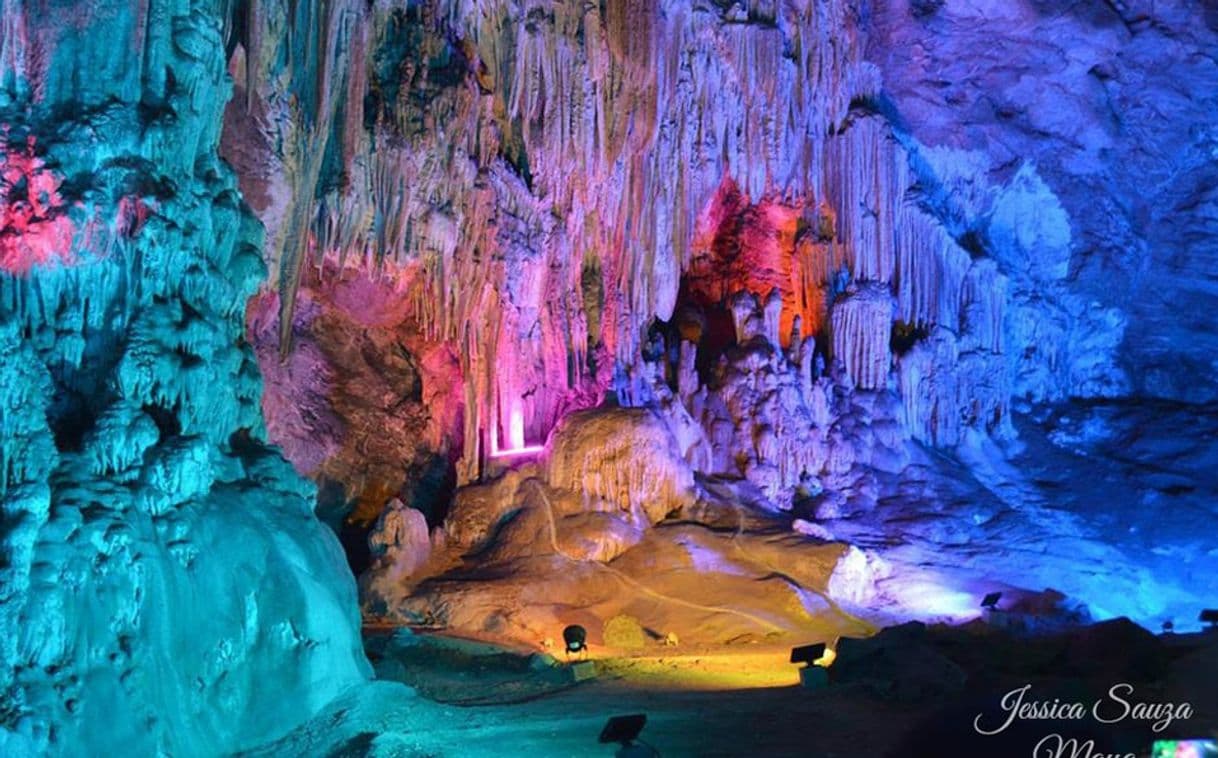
[(166, 588)]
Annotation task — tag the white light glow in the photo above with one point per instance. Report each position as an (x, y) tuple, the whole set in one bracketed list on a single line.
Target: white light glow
[(512, 452), (516, 427), (515, 433)]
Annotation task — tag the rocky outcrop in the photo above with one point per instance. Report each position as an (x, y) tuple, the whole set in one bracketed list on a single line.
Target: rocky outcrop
[(1076, 145), (542, 189), (160, 563)]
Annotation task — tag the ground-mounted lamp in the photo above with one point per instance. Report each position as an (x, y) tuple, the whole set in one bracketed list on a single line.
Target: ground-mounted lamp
[(808, 654), (624, 730), (576, 639), (992, 613), (990, 601), (814, 674), (1209, 617)]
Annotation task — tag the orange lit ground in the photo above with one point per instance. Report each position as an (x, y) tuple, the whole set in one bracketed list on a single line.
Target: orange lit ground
[(710, 702), (463, 671), (707, 703), (705, 672)]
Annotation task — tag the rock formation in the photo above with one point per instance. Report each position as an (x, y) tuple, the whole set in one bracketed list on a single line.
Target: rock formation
[(542, 189), (160, 562), (528, 289)]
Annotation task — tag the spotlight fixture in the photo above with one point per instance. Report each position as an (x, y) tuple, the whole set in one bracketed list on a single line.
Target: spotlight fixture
[(576, 638), (990, 603), (812, 675), (624, 730), (808, 653), (1209, 616)]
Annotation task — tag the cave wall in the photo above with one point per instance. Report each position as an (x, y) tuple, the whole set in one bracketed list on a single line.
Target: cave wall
[(164, 586), (802, 232), (531, 174), (540, 189), (1110, 104)]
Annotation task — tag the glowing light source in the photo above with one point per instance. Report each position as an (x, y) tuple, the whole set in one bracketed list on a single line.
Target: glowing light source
[(818, 658), (827, 659), (516, 427), (526, 450), (516, 445)]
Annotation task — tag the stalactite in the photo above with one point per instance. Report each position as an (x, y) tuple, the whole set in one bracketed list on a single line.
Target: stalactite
[(930, 389), (930, 271), (862, 322), (982, 302), (571, 138), (866, 176)]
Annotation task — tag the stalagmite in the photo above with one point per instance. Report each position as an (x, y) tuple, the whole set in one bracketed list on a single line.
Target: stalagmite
[(745, 317), (622, 459), (687, 371), (772, 312)]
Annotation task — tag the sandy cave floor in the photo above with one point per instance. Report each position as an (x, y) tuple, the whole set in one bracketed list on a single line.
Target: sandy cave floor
[(1068, 509)]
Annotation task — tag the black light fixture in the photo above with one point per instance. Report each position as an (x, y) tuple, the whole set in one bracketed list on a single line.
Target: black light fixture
[(990, 602), (576, 638), (808, 654), (1209, 616), (624, 730), (814, 674)]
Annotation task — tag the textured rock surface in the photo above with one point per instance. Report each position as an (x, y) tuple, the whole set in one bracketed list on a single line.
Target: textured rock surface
[(545, 188), (1080, 138), (165, 586), (540, 189), (542, 276), (807, 237)]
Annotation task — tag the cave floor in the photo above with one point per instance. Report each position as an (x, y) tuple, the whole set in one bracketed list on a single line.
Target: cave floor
[(743, 702), (386, 719), (710, 701), (1077, 505), (1112, 505)]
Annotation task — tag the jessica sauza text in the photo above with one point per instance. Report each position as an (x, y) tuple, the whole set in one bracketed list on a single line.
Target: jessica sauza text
[(1117, 705)]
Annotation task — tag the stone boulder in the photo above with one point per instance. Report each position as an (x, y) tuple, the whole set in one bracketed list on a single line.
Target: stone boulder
[(622, 460)]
